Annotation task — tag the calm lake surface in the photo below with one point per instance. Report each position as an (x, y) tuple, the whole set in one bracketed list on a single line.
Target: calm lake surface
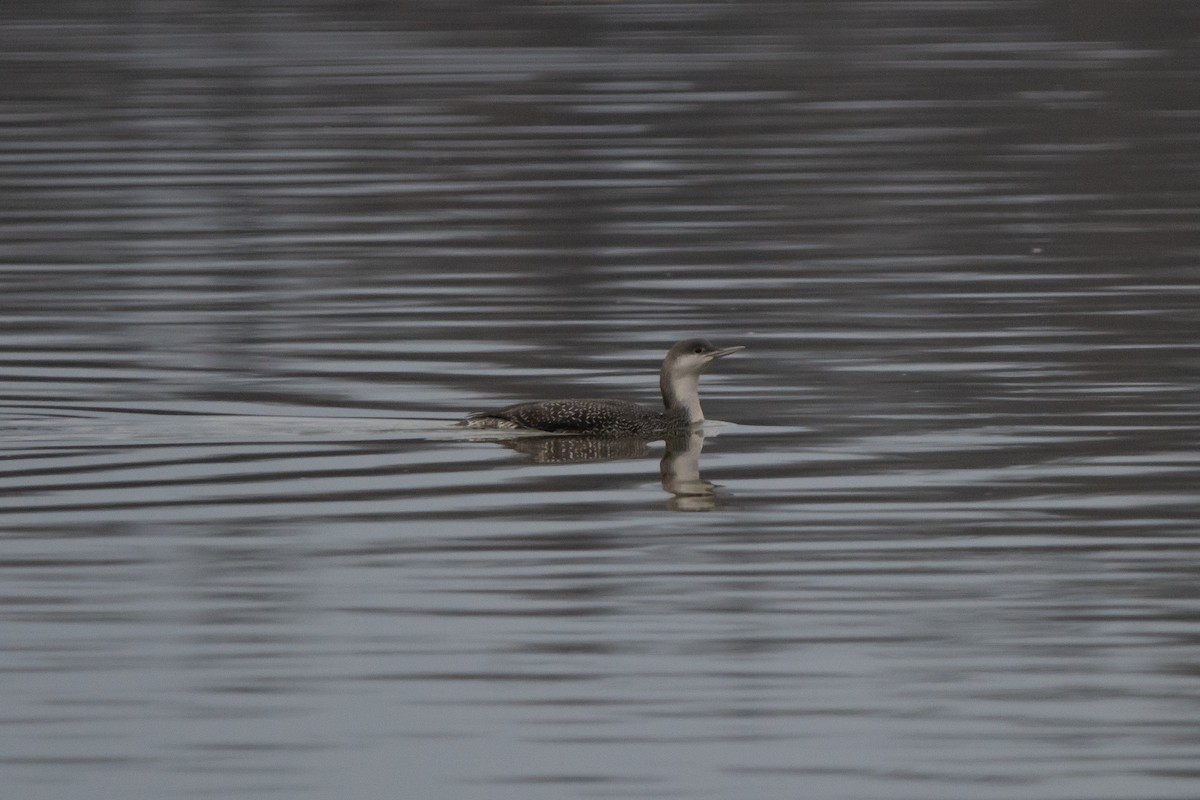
[(256, 260)]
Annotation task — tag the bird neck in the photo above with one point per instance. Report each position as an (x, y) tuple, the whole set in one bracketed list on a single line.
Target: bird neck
[(681, 393)]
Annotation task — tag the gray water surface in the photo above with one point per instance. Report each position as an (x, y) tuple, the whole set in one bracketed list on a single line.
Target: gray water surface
[(941, 540)]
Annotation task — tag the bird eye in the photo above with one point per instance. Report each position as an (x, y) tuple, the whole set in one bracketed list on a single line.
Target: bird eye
[(698, 350)]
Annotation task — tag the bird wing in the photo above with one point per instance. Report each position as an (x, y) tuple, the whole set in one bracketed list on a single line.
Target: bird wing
[(568, 416)]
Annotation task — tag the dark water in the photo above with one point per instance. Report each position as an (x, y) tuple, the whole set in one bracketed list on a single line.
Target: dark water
[(254, 259)]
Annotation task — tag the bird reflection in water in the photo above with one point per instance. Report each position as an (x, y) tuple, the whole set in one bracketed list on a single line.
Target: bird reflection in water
[(680, 471), (679, 466)]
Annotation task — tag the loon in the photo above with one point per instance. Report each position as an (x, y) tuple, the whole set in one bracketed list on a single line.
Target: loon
[(679, 380)]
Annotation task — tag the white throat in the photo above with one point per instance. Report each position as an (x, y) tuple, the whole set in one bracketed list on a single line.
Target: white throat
[(685, 390)]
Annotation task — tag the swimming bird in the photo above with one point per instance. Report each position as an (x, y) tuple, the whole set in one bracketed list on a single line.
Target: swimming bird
[(679, 381)]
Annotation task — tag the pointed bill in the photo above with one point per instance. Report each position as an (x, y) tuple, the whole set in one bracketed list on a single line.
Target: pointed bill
[(727, 351)]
